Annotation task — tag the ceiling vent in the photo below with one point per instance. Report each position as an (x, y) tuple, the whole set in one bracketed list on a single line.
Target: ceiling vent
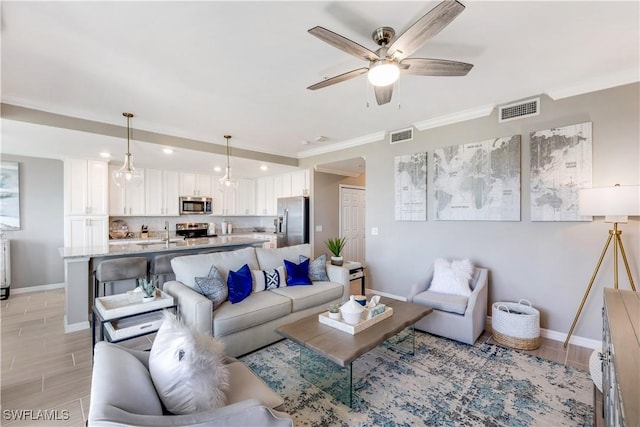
[(403, 135), (519, 110)]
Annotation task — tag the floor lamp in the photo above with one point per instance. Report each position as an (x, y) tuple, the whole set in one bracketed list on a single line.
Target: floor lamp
[(616, 204)]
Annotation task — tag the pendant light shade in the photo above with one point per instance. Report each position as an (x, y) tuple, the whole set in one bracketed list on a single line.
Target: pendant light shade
[(227, 181), (128, 175)]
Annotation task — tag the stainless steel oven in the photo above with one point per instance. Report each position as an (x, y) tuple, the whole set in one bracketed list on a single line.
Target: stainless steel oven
[(195, 205)]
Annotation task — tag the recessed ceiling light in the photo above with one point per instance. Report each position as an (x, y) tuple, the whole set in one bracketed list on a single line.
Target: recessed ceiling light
[(105, 155), (167, 151), (217, 169), (263, 167)]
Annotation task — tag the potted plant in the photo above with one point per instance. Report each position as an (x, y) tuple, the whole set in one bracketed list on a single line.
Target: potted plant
[(334, 311), (335, 245), (148, 288)]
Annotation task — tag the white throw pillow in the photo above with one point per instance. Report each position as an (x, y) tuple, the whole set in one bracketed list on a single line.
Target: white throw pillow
[(452, 277), (260, 279), (187, 368)]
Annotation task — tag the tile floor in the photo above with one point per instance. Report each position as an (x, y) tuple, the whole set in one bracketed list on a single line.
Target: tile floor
[(42, 368)]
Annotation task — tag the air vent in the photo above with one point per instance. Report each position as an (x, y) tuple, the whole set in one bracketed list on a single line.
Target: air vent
[(519, 110), (401, 136)]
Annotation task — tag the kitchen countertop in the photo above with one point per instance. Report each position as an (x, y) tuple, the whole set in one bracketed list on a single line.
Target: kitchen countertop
[(141, 246)]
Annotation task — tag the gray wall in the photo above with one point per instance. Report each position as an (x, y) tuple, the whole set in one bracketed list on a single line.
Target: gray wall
[(549, 263), (326, 205), (35, 259)]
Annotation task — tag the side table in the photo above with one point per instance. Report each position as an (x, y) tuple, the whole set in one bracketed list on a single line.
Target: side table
[(125, 316)]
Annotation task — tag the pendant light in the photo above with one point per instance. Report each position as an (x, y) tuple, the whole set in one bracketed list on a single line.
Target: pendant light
[(127, 175), (227, 181)]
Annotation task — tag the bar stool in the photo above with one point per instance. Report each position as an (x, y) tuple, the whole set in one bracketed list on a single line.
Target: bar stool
[(113, 270), (161, 266)]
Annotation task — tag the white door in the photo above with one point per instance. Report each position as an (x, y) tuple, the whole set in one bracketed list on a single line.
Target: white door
[(352, 226)]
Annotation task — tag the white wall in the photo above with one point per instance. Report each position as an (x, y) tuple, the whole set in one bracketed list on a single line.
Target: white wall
[(549, 263), (35, 259)]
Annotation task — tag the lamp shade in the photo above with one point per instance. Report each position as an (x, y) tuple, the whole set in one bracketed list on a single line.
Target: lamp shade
[(615, 203)]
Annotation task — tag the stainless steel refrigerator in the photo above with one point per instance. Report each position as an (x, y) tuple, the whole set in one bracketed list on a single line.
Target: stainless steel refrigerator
[(292, 223)]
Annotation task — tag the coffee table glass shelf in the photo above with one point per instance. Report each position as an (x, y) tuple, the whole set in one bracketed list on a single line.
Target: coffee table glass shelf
[(125, 316), (327, 354)]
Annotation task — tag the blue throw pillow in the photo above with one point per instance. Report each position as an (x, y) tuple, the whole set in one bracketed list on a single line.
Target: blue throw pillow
[(240, 284), (297, 274)]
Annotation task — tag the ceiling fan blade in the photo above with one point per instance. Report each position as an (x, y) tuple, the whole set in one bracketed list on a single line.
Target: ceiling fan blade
[(344, 44), (339, 78), (434, 67), (383, 93), (425, 28)]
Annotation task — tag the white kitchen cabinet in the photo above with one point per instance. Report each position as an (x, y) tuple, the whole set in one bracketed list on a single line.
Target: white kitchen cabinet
[(224, 199), (162, 192), (282, 185), (300, 183), (246, 197), (128, 200), (195, 184), (86, 187), (265, 198), (86, 231)]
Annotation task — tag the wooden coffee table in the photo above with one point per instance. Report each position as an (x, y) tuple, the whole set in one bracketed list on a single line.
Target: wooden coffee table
[(341, 348)]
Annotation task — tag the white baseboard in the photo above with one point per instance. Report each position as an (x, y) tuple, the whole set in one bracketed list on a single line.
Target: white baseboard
[(75, 327), (384, 294), (38, 288)]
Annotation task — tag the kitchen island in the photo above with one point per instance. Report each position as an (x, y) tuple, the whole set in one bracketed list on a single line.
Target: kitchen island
[(79, 264)]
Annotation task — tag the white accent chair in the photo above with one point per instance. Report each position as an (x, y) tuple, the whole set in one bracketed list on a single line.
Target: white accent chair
[(456, 317)]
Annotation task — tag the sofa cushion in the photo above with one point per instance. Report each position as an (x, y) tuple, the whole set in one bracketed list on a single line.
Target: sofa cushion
[(303, 297), (115, 370), (297, 274), (240, 284), (444, 302), (188, 267), (317, 268), (270, 258), (256, 309), (268, 279), (212, 287), (187, 368)]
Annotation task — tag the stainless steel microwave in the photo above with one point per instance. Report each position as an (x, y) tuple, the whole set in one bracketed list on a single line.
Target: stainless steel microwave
[(195, 205)]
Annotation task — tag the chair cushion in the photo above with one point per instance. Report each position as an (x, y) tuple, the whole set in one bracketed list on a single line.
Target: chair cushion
[(444, 302), (187, 368), (270, 258), (256, 309), (303, 297), (452, 277), (114, 371)]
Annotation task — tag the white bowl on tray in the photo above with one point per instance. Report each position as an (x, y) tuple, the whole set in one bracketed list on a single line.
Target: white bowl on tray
[(351, 311)]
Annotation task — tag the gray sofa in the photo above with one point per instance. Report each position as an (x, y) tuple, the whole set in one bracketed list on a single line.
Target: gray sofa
[(456, 317), (123, 394), (251, 323)]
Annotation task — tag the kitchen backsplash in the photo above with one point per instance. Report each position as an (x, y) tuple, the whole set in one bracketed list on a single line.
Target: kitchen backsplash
[(241, 225)]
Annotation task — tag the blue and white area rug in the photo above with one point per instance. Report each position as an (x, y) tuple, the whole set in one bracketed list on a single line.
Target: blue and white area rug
[(445, 383)]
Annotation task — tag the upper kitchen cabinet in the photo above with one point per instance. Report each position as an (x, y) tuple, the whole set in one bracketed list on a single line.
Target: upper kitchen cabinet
[(265, 198), (162, 191), (86, 185), (194, 184), (126, 201), (300, 183), (246, 197)]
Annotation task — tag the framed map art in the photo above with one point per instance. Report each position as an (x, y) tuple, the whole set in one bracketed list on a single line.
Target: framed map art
[(410, 179)]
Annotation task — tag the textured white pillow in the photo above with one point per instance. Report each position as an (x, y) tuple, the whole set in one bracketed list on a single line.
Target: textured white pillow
[(187, 368), (452, 277)]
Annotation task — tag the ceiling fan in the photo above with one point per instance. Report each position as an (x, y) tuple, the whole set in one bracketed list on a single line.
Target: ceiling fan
[(391, 58)]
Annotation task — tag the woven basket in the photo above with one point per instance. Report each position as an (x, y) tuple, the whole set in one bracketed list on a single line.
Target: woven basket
[(516, 325)]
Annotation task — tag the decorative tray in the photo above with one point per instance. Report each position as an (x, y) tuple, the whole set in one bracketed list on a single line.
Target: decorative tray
[(359, 327), (113, 306)]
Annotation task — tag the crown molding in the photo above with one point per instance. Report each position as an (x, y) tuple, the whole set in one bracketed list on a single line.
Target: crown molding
[(620, 78), (460, 116), (334, 171), (366, 139)]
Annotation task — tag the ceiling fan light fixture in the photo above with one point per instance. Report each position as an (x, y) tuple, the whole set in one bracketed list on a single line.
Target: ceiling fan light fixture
[(128, 175), (383, 73)]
